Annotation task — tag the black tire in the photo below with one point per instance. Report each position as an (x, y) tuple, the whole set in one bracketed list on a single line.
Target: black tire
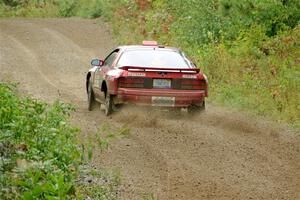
[(196, 109), (108, 105), (202, 108), (91, 97)]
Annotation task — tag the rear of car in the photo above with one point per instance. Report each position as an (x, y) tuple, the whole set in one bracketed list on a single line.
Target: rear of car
[(159, 76)]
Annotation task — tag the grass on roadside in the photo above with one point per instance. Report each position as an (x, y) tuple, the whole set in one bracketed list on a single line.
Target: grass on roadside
[(100, 183), (50, 8), (40, 156), (39, 153)]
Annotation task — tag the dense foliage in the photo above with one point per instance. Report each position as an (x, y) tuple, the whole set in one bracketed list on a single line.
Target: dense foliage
[(215, 21), (50, 8), (39, 156)]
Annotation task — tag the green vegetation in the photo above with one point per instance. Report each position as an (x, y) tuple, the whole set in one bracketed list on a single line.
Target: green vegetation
[(40, 155), (50, 8), (99, 183), (101, 139), (249, 49), (102, 183)]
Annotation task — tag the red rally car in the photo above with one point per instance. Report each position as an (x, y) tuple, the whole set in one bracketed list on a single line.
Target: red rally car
[(147, 74)]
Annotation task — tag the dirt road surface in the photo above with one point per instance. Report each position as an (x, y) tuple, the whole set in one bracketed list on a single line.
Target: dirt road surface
[(220, 154)]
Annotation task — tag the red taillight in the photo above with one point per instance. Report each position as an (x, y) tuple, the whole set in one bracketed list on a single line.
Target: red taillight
[(193, 84), (126, 82)]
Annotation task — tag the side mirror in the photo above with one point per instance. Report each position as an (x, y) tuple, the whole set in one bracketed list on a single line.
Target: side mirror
[(97, 62)]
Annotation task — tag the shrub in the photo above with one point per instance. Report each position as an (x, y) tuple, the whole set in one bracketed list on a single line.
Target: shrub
[(52, 8), (38, 152), (13, 3), (67, 8), (89, 9)]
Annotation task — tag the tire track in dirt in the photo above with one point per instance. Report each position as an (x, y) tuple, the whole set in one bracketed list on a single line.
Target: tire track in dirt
[(220, 154), (172, 168), (220, 160), (52, 55)]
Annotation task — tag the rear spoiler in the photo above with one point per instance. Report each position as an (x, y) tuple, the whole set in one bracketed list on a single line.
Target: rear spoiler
[(135, 68)]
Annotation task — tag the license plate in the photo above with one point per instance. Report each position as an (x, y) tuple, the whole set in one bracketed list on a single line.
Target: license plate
[(163, 101), (161, 83)]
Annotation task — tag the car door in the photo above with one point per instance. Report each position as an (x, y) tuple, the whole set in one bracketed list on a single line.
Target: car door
[(100, 75)]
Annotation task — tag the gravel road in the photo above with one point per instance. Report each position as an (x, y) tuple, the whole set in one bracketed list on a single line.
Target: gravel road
[(221, 154)]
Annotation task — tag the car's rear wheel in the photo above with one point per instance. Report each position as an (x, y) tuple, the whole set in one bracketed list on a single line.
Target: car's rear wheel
[(91, 97), (195, 109), (108, 105)]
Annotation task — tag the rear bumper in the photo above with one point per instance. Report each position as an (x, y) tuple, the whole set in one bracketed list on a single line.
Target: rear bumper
[(160, 97)]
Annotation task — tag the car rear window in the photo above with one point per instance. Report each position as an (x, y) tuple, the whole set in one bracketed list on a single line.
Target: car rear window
[(153, 58)]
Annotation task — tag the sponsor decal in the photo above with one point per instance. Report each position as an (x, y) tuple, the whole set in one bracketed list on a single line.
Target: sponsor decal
[(114, 73), (189, 76), (136, 74)]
